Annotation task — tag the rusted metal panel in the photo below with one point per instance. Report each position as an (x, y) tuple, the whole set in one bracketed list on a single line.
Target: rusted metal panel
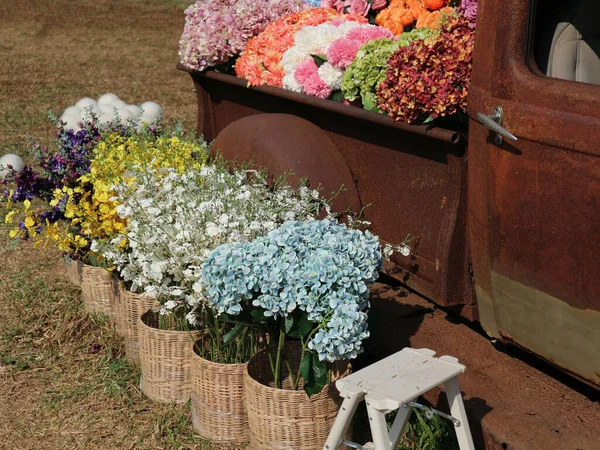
[(534, 205), (264, 139), (412, 177)]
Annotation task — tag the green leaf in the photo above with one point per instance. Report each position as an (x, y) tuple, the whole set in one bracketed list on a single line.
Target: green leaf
[(337, 96), (305, 368), (428, 120), (258, 315), (369, 102), (301, 327), (319, 59), (319, 376), (305, 326), (288, 323), (233, 333)]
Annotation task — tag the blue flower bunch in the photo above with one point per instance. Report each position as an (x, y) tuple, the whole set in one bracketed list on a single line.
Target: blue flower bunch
[(321, 268)]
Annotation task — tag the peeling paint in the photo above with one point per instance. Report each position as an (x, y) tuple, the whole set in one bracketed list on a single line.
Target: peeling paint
[(548, 326)]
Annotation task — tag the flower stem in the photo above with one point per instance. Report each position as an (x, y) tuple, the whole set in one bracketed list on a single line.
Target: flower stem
[(280, 344)]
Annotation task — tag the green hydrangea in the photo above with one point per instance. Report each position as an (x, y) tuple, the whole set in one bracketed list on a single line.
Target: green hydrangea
[(367, 71)]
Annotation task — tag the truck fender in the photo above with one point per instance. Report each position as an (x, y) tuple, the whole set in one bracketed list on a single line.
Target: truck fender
[(284, 142)]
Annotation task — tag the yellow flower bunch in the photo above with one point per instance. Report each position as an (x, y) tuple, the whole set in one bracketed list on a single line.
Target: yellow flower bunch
[(92, 206), (117, 154)]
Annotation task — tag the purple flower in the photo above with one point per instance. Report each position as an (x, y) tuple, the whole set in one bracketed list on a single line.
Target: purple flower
[(95, 348), (468, 9)]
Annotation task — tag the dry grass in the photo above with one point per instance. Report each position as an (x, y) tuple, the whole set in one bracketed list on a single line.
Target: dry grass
[(56, 393)]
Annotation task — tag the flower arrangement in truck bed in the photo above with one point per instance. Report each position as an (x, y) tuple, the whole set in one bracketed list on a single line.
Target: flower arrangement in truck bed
[(429, 78), (260, 63), (304, 280), (218, 30), (315, 63), (174, 220)]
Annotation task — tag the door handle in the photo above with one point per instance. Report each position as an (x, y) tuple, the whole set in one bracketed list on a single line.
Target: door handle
[(494, 123)]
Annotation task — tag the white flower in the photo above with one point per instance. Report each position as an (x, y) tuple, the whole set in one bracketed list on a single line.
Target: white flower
[(332, 76), (123, 211), (170, 304), (212, 229)]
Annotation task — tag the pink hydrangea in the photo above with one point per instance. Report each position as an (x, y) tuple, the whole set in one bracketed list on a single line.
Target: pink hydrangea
[(342, 52)]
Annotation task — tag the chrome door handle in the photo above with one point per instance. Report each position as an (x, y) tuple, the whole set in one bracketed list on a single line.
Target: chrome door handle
[(494, 123)]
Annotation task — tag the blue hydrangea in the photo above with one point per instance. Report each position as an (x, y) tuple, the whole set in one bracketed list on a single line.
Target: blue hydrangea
[(320, 267), (313, 3)]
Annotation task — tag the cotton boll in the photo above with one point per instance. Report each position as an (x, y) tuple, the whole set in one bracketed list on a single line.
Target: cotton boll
[(107, 113), (73, 111), (104, 118), (151, 112), (108, 99), (71, 117), (135, 110), (119, 104), (85, 103), (125, 115), (89, 110), (10, 160)]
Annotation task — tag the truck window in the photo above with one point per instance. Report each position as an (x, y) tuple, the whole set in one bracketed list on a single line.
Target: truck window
[(565, 40)]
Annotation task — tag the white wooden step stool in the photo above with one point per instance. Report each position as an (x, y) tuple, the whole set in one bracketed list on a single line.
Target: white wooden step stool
[(394, 383)]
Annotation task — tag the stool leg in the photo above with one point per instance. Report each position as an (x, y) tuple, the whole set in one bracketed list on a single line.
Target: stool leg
[(457, 409), (343, 419), (399, 425), (381, 438)]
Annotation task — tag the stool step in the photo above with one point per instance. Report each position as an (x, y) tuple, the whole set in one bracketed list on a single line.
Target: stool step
[(402, 377)]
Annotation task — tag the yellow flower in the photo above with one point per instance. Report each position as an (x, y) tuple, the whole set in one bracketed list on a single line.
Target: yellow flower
[(29, 222), (27, 204), (8, 218)]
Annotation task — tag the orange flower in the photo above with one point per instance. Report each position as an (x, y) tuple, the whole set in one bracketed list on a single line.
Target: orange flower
[(433, 19), (400, 14), (434, 5), (416, 7)]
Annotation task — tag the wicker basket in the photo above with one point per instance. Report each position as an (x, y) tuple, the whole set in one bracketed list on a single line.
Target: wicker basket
[(99, 290), (73, 268), (283, 418), (165, 360), (128, 310), (218, 402)]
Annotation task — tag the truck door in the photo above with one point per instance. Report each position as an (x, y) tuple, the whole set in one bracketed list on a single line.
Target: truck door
[(534, 203)]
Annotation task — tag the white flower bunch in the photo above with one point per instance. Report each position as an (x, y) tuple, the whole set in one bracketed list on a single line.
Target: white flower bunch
[(176, 220)]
